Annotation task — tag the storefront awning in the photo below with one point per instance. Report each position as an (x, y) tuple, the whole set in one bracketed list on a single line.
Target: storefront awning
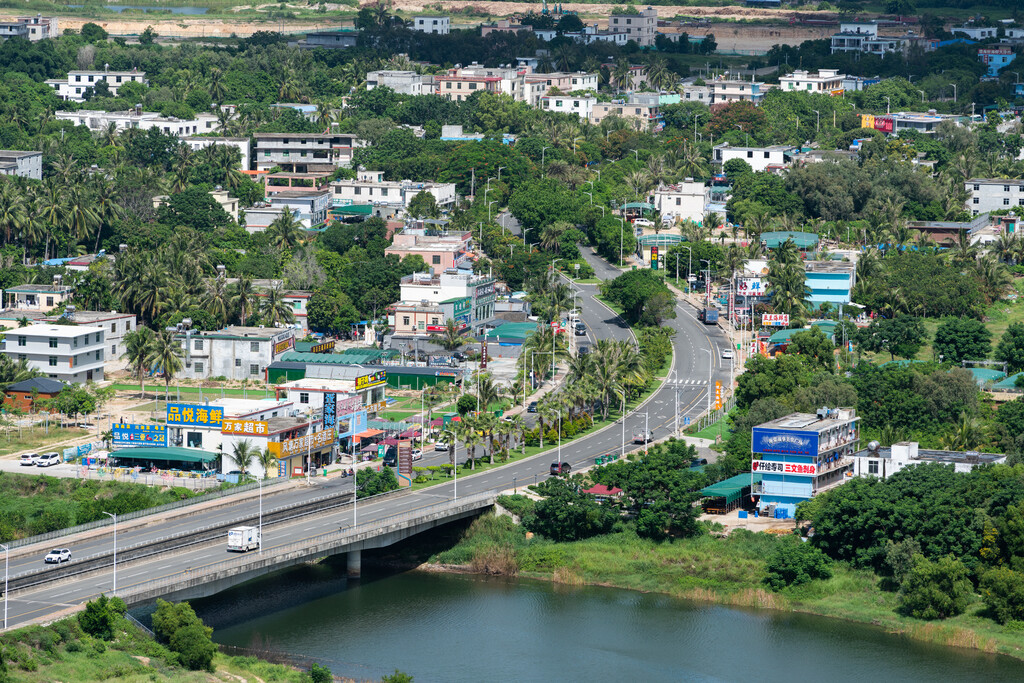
[(410, 434), (368, 434), (168, 454)]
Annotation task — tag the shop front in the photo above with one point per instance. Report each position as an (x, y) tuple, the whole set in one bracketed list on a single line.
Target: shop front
[(296, 456)]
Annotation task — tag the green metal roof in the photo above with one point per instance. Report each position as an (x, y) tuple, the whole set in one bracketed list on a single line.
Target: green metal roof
[(1008, 383), (168, 454), (803, 240), (353, 210), (640, 205), (900, 363), (661, 240), (983, 375), (731, 488), (511, 332), (828, 328), (320, 358)]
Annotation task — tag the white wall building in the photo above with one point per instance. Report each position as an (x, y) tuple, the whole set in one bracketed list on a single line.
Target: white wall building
[(98, 121), (974, 32), (770, 158), (369, 187), (402, 82), (309, 206), (21, 164), (241, 144), (68, 353), (304, 152), (569, 104), (640, 27), (686, 200), (115, 326), (882, 463), (725, 91), (235, 352), (994, 194), (77, 82), (432, 24), (697, 93), (828, 81), (30, 28)]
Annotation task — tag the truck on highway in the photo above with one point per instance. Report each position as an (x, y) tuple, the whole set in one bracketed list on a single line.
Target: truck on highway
[(708, 316), (243, 538)]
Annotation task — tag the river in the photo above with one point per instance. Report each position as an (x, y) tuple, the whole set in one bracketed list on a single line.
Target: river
[(441, 627)]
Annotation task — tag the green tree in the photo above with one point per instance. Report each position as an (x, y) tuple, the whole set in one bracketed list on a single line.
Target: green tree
[(451, 337), (814, 345), (397, 677), (1011, 347), (320, 674), (643, 296), (1002, 589), (423, 205), (959, 339), (771, 377), (568, 515), (194, 645), (936, 590), (794, 563), (902, 336), (99, 618), (194, 208), (165, 356), (331, 311)]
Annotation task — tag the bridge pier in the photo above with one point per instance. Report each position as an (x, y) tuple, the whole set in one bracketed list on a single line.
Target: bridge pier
[(355, 562)]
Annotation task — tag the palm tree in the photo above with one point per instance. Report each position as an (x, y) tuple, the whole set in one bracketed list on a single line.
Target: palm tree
[(242, 297), (286, 230), (267, 460), (275, 309), (487, 424), (467, 432), (487, 391), (12, 211), (217, 300), (244, 454), (451, 337), (138, 345), (547, 412), (165, 354)]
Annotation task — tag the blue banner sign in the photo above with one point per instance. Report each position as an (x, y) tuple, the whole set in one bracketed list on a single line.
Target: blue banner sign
[(138, 435), (330, 409), (784, 442), (192, 415)]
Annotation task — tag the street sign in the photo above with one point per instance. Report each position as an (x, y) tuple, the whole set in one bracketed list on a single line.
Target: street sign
[(686, 421)]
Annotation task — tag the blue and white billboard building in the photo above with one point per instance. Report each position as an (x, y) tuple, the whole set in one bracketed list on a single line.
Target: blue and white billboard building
[(800, 455)]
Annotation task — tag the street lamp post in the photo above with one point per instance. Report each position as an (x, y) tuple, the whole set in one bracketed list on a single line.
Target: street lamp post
[(954, 91), (922, 95), (622, 231), (591, 195), (260, 482), (455, 462), (499, 173), (543, 149), (888, 104), (493, 201), (711, 361), (817, 122), (689, 265), (113, 516), (707, 283)]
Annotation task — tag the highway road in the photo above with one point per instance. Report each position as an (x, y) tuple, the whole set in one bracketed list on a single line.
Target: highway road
[(697, 365)]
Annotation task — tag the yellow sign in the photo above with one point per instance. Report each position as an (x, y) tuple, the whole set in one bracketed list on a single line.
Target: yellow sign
[(867, 121), (282, 346), (372, 380), (718, 395), (244, 427), (377, 407), (314, 442), (323, 347)]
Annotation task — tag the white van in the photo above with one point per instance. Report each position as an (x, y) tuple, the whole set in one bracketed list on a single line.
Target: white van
[(48, 460)]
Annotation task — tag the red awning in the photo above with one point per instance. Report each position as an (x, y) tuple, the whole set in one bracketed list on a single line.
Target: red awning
[(602, 490), (410, 434), (369, 433)]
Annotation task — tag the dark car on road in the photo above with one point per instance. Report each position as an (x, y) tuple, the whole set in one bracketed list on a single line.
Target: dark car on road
[(532, 408), (560, 468), (581, 329)]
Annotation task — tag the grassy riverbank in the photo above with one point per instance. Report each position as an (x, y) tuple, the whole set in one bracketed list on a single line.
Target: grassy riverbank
[(721, 570)]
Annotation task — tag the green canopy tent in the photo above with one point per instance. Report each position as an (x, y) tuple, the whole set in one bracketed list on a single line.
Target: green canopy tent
[(725, 495)]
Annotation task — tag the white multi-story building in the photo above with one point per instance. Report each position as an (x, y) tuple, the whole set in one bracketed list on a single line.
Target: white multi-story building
[(304, 152), (74, 86), (642, 113), (68, 353), (640, 27), (235, 352), (310, 207), (402, 82), (97, 121), (994, 194), (460, 83), (241, 144), (773, 158), (449, 285), (30, 28), (337, 39), (439, 25), (697, 93), (21, 164), (882, 463), (569, 104), (828, 81), (725, 91), (687, 200), (115, 326), (852, 36), (390, 198)]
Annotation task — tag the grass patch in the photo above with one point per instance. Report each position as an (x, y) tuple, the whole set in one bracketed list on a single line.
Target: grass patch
[(194, 393), (720, 428), (36, 438)]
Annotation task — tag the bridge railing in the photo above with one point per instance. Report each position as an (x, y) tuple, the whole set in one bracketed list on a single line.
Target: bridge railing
[(319, 543)]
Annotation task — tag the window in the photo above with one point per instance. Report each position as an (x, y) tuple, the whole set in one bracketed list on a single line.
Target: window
[(113, 327), (304, 397), (678, 201), (49, 301), (53, 342), (238, 362), (435, 259), (53, 361), (198, 367), (750, 155), (113, 349), (975, 201), (22, 340), (197, 344), (872, 467), (99, 354), (358, 190), (254, 347), (405, 320), (22, 356), (1006, 201), (1006, 188), (254, 369)]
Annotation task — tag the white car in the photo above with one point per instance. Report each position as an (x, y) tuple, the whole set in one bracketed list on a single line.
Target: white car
[(57, 556), (417, 454), (441, 447), (28, 459), (48, 460), (727, 354)]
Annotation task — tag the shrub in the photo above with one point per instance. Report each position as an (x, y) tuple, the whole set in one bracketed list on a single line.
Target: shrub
[(194, 646), (320, 674), (795, 563), (1002, 590), (935, 590), (99, 617), (521, 506), (169, 617)]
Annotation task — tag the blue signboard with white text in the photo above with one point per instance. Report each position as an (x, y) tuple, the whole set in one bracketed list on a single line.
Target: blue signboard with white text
[(784, 442), (192, 415), (330, 409), (138, 435)]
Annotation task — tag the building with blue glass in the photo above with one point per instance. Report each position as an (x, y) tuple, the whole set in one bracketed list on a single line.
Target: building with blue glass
[(800, 455)]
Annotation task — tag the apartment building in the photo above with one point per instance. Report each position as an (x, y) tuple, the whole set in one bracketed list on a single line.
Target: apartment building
[(589, 35), (460, 83), (440, 25), (235, 352), (73, 87), (338, 39), (994, 194), (975, 32), (995, 60), (634, 81), (21, 164), (402, 82), (98, 121), (569, 104), (390, 198), (304, 152), (427, 298), (697, 93), (503, 26), (310, 207), (439, 252), (36, 298), (566, 82), (725, 91), (773, 158), (685, 200), (641, 114), (828, 81), (67, 353), (30, 28), (640, 27)]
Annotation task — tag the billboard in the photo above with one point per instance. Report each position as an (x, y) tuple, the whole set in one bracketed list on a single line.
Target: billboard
[(314, 442), (330, 410), (783, 467), (784, 442), (244, 427), (126, 434), (323, 347), (774, 319), (347, 406), (374, 379), (192, 415), (750, 286), (718, 395), (284, 345)]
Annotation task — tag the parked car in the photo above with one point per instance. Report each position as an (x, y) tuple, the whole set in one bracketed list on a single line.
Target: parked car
[(459, 356), (441, 446), (28, 459), (642, 437), (57, 556), (417, 454), (699, 462), (532, 408), (48, 460), (390, 457), (558, 468)]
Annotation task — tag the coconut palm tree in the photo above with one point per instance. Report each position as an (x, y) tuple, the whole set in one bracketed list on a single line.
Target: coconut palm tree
[(451, 337), (487, 391), (286, 230), (267, 460), (217, 300), (467, 432), (244, 454), (165, 355), (547, 413), (242, 297)]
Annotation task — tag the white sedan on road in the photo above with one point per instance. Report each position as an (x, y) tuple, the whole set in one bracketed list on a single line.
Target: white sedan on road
[(727, 354), (57, 556)]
